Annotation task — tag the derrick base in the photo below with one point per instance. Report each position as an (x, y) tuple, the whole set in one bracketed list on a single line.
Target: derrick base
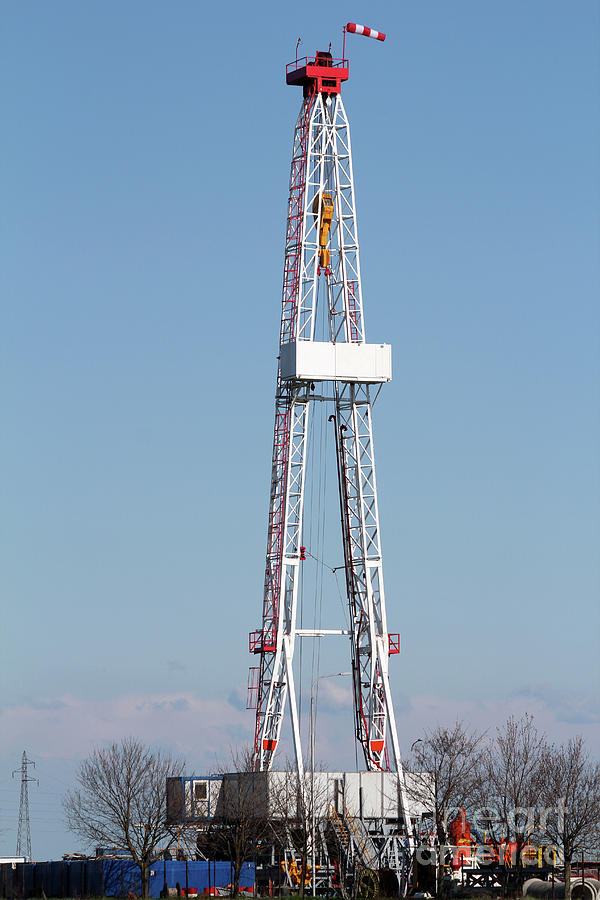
[(359, 826)]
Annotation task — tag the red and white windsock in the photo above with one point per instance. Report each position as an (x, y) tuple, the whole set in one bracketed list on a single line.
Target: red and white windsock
[(353, 28)]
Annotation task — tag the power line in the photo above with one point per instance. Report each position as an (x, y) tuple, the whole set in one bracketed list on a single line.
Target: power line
[(24, 807)]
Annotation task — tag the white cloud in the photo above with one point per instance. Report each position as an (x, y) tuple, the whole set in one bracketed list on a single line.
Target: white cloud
[(335, 694), (199, 728), (204, 729), (427, 711), (568, 706)]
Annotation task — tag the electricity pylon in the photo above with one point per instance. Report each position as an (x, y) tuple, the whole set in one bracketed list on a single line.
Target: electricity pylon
[(24, 807)]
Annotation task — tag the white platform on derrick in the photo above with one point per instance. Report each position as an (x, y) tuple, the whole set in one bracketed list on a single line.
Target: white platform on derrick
[(328, 361)]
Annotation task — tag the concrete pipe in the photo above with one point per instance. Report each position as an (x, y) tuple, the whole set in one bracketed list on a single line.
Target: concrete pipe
[(535, 887), (580, 889), (585, 889)]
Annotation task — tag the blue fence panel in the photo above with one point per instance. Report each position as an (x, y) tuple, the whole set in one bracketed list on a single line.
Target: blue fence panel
[(198, 877), (115, 877), (121, 878)]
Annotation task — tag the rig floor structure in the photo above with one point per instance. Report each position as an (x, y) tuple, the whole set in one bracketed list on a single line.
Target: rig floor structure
[(342, 832)]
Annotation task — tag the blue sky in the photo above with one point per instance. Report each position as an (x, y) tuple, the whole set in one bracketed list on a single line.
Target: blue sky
[(146, 157)]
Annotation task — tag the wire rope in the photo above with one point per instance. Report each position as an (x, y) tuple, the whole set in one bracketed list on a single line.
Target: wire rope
[(316, 476), (321, 547)]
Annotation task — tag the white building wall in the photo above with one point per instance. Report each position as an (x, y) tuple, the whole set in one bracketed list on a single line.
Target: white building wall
[(367, 795)]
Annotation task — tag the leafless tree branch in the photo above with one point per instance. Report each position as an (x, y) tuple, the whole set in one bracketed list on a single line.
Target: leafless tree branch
[(120, 800)]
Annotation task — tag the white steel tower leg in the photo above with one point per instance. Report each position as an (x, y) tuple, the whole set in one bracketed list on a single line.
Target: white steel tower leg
[(364, 575), (275, 642)]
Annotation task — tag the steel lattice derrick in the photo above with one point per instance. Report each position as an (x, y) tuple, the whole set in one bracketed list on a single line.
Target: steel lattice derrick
[(321, 176)]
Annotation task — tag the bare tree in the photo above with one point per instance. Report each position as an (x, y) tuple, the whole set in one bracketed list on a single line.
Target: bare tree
[(445, 771), (298, 805), (120, 800), (570, 791), (240, 822), (512, 781), (445, 768)]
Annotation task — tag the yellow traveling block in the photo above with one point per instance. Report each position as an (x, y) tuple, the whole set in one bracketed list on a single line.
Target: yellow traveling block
[(326, 204)]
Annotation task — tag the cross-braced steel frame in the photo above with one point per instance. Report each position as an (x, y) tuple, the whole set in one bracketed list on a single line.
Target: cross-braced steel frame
[(322, 164)]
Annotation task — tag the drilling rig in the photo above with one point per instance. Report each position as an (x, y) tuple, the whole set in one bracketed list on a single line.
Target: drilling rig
[(324, 363)]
